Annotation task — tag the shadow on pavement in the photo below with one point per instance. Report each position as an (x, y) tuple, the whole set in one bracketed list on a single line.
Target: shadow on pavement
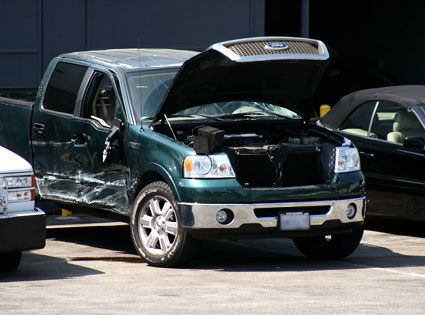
[(281, 255), (270, 255), (244, 255), (35, 267), (115, 238)]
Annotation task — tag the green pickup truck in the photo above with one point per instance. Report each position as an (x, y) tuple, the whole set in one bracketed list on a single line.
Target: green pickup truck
[(189, 146)]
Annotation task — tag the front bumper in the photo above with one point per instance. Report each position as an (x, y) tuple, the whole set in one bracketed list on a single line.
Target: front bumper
[(22, 230), (196, 216)]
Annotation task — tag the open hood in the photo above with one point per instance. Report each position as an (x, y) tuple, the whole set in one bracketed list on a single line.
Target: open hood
[(284, 71)]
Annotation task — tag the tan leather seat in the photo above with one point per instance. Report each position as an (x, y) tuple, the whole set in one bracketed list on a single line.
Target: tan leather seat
[(405, 125), (104, 108)]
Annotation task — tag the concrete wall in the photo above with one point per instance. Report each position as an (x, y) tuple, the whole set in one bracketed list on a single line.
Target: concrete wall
[(34, 31)]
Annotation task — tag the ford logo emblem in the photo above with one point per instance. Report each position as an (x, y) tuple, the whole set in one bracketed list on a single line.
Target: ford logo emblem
[(276, 46)]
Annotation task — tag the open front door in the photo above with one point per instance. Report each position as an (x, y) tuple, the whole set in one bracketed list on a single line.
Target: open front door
[(102, 173), (69, 135)]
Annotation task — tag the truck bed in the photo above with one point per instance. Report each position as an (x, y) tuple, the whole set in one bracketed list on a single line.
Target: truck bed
[(17, 103)]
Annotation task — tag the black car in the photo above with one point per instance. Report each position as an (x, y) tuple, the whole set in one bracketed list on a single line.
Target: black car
[(387, 126)]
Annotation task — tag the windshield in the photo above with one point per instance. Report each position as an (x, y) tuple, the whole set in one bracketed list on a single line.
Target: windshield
[(147, 90)]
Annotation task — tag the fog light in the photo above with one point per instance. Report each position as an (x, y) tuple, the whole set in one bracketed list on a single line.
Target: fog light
[(351, 211), (222, 217)]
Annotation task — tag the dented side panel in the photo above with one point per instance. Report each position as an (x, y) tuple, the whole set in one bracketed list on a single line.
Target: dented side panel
[(70, 169), (68, 158), (104, 190)]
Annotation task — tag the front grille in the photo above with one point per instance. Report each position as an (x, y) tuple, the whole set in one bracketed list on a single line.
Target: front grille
[(274, 212), (257, 48)]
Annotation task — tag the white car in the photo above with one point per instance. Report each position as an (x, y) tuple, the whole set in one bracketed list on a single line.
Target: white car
[(22, 226)]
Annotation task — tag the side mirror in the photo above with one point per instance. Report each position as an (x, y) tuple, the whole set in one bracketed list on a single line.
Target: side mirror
[(117, 123), (112, 137), (116, 129), (414, 142)]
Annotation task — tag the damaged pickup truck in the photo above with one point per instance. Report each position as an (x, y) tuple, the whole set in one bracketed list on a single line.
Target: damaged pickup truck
[(190, 146)]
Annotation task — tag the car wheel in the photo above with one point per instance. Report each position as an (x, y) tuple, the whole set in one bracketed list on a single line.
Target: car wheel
[(10, 261), (156, 229), (332, 247)]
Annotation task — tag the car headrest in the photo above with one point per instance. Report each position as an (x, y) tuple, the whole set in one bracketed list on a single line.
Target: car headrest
[(405, 121)]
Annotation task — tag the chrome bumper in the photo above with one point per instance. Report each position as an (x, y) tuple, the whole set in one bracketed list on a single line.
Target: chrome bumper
[(203, 216)]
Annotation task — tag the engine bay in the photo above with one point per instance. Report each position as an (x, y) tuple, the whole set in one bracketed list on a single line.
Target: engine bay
[(265, 154)]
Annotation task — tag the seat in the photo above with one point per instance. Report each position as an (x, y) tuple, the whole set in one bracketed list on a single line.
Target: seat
[(104, 107), (359, 132), (405, 125)]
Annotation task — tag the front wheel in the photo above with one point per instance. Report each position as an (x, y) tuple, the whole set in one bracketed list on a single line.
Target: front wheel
[(332, 247), (156, 229), (10, 261)]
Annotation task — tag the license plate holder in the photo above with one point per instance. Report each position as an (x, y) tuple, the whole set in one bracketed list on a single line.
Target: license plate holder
[(294, 221)]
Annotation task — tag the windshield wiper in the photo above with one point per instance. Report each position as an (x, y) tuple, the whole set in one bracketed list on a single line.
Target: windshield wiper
[(278, 115), (256, 114), (195, 116), (241, 115)]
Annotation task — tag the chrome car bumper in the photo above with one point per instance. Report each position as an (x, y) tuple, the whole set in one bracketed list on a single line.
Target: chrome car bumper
[(203, 216)]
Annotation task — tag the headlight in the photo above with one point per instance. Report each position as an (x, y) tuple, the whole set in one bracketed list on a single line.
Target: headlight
[(346, 160), (18, 181), (18, 188), (208, 166)]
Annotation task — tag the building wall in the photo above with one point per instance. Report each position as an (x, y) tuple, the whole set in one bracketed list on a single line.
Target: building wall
[(387, 34), (32, 32)]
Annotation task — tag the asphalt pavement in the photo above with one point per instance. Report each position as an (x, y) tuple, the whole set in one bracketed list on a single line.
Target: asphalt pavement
[(90, 266)]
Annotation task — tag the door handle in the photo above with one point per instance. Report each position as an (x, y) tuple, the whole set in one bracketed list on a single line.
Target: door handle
[(79, 139), (367, 154), (38, 129)]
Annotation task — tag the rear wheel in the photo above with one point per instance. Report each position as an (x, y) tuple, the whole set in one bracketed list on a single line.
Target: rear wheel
[(156, 229), (10, 261), (332, 247)]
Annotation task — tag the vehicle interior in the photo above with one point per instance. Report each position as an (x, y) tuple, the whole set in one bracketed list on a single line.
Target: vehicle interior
[(405, 125), (101, 102), (390, 122)]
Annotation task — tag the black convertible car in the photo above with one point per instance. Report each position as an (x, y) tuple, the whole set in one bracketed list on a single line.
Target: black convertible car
[(387, 126)]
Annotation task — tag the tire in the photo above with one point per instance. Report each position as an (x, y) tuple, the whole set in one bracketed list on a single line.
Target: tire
[(10, 261), (156, 230), (335, 247)]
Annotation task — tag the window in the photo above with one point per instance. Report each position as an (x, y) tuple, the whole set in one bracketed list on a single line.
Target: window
[(404, 124), (100, 101), (358, 122), (147, 90), (63, 87), (390, 122), (384, 118)]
